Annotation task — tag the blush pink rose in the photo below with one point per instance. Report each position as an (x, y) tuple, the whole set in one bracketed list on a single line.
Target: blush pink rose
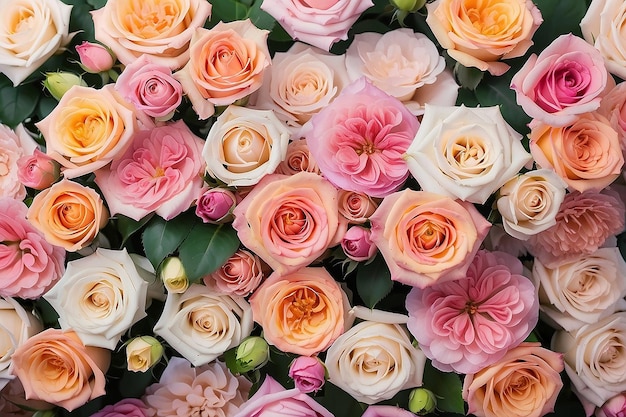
[(308, 373), (160, 172), (467, 324), (386, 411), (216, 205), (128, 407), (240, 275), (357, 244), (94, 58), (615, 407), (568, 78), (37, 171), (14, 145), (359, 140), (298, 159)]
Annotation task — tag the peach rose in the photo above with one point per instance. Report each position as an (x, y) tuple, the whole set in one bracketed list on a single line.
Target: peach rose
[(68, 214), (240, 275), (226, 64), (613, 107), (161, 29), (524, 383), (54, 366), (356, 207), (87, 129), (603, 27), (474, 37), (302, 312), (298, 159)]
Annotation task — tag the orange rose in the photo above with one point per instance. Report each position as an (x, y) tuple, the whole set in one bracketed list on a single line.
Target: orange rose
[(68, 214), (303, 312)]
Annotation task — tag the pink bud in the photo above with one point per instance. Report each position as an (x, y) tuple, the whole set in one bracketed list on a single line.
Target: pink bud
[(94, 58), (308, 373), (37, 171), (614, 407), (357, 244), (216, 205)]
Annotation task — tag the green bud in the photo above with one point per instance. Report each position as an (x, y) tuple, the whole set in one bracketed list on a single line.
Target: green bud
[(172, 273), (252, 353), (57, 83), (142, 353), (422, 401), (410, 6)]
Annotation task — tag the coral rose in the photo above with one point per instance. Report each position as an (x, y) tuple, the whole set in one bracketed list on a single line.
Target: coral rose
[(602, 26), (240, 275)]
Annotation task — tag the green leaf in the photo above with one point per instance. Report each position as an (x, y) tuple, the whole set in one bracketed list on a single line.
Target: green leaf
[(18, 103), (228, 11), (206, 248), (127, 226), (161, 238), (447, 387), (261, 18), (133, 384), (496, 91), (373, 281), (468, 77), (559, 18), (339, 403)]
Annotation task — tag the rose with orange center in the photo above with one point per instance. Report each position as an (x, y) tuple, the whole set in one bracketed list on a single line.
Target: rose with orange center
[(302, 312)]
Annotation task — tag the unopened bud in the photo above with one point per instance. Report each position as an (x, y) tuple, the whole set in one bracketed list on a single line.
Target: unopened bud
[(95, 58), (172, 273), (252, 353), (422, 401), (142, 353), (410, 6), (58, 83)]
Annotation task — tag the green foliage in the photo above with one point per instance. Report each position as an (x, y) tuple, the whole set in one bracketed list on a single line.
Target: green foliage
[(559, 18), (340, 403), (162, 238), (447, 387), (373, 281), (17, 102), (467, 77), (231, 10), (127, 226)]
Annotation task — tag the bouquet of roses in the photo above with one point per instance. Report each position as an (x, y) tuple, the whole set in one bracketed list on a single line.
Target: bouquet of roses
[(312, 208)]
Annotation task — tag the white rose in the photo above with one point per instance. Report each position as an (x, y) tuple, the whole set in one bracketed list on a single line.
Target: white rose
[(602, 26), (465, 152), (374, 360), (101, 296), (595, 357), (405, 65), (582, 290), (14, 144), (201, 324), (529, 202), (32, 32), (245, 144), (16, 325)]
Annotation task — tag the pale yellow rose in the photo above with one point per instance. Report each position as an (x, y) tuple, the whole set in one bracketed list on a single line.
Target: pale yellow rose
[(142, 353)]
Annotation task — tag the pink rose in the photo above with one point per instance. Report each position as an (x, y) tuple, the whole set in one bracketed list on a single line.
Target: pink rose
[(308, 373), (613, 107), (128, 407), (467, 324), (14, 145), (298, 159), (317, 22), (94, 58), (240, 275), (356, 207), (160, 172), (568, 78), (216, 205), (386, 411), (273, 400), (615, 407), (359, 139), (357, 244), (37, 171)]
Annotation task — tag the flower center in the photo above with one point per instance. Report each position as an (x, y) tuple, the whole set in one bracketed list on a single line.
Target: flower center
[(471, 308), (305, 303), (367, 148)]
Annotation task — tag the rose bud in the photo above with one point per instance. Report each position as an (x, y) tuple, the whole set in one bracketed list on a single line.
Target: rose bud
[(308, 373), (357, 244), (251, 354), (37, 171), (410, 6), (216, 205), (57, 83), (422, 401), (142, 353), (172, 273), (95, 58)]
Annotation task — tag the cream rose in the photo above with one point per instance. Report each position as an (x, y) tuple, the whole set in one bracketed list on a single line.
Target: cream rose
[(201, 324), (31, 31), (375, 359), (465, 153), (245, 144), (603, 27)]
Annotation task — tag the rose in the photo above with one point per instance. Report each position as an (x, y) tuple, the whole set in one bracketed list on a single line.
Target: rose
[(37, 171), (162, 30), (529, 202), (289, 221), (161, 172), (54, 366), (302, 312), (469, 323), (425, 237), (298, 159), (414, 74), (357, 244), (358, 140), (568, 78), (473, 37), (584, 289), (613, 107), (94, 58), (244, 144), (58, 83), (524, 383), (173, 275), (32, 31), (356, 207), (201, 325), (88, 129), (465, 152), (150, 87), (143, 353), (386, 411), (226, 64), (127, 407), (317, 22), (374, 360), (216, 205), (240, 275), (14, 145), (586, 153), (601, 27), (68, 214), (308, 373), (615, 407)]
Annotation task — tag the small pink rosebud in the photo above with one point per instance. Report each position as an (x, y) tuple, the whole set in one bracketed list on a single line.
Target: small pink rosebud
[(216, 205), (308, 373), (37, 171), (94, 57), (357, 244), (614, 407)]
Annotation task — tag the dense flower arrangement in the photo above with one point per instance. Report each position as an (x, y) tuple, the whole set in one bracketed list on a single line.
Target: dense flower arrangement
[(312, 208)]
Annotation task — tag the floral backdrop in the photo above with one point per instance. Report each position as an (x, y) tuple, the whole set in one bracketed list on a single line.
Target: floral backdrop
[(312, 208)]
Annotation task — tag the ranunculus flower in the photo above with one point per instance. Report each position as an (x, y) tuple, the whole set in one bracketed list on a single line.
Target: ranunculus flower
[(465, 152), (94, 57), (201, 324), (31, 32), (374, 360), (529, 202), (184, 390), (68, 214), (298, 159), (613, 107), (524, 383), (101, 296), (302, 312), (317, 22), (386, 411), (245, 144), (583, 224), (160, 172), (568, 78), (14, 146), (37, 171), (272, 399), (425, 237), (359, 139), (356, 207), (582, 290), (473, 35), (586, 153), (161, 29), (127, 407), (55, 366), (469, 323), (240, 275), (615, 407), (88, 129), (308, 373), (595, 358), (357, 244), (226, 64), (289, 221), (602, 27), (150, 87), (405, 65)]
